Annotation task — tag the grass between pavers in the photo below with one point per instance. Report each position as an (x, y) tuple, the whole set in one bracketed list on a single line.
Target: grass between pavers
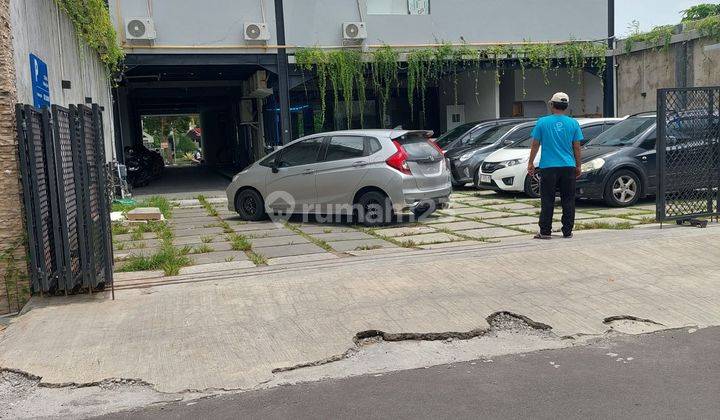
[(161, 203), (202, 249), (403, 243), (168, 258), (120, 229), (367, 247), (209, 208), (451, 232), (257, 258), (316, 241), (239, 242), (591, 225)]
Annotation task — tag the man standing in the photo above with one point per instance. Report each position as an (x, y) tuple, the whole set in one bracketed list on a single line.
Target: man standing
[(559, 136)]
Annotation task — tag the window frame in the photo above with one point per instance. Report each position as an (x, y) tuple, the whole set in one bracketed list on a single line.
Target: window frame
[(407, 10), (282, 151)]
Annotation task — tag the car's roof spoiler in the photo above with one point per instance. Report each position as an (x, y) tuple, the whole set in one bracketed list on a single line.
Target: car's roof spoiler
[(424, 133)]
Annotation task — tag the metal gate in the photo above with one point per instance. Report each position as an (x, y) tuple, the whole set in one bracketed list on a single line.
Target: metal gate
[(688, 149), (62, 164)]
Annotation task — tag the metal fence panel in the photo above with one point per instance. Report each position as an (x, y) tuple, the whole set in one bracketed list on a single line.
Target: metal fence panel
[(64, 191), (688, 153)]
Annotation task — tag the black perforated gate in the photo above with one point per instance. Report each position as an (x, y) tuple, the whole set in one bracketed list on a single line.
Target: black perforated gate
[(62, 165), (688, 153)]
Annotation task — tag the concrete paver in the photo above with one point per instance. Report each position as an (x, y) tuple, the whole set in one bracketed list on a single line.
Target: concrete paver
[(490, 215), (212, 267), (295, 259), (201, 231), (490, 233), (360, 244), (343, 236), (278, 240), (288, 250), (126, 237), (325, 228), (458, 226), (429, 238), (396, 232), (512, 206), (515, 220), (218, 257)]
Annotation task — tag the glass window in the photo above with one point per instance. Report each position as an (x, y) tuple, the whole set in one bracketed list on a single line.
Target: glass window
[(374, 145), (454, 134), (418, 147), (398, 7), (520, 134), (590, 132), (345, 147), (492, 135), (625, 132), (649, 142), (302, 153)]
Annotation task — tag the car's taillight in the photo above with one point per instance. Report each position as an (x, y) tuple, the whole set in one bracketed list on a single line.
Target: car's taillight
[(399, 159), (435, 145)]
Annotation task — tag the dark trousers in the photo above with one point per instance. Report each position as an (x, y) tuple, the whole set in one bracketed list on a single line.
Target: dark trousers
[(552, 180)]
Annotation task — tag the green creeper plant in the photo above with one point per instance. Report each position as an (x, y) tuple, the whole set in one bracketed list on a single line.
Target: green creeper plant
[(315, 58), (93, 25)]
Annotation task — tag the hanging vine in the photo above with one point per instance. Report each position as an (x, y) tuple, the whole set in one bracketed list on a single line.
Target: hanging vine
[(384, 76), (346, 70), (93, 25)]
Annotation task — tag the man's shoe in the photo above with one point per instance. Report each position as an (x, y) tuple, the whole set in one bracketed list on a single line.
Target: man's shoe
[(568, 236), (541, 236)]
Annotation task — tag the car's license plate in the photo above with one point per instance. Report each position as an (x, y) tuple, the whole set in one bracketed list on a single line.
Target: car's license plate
[(485, 179)]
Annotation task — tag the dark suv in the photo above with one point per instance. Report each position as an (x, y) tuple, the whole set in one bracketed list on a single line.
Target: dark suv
[(620, 165)]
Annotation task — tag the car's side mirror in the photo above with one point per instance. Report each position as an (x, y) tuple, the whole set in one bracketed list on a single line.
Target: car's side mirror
[(274, 167), (269, 149)]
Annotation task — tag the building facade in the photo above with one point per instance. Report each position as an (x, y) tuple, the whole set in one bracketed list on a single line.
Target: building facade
[(196, 56)]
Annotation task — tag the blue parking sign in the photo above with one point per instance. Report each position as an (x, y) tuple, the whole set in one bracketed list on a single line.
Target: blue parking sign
[(40, 82)]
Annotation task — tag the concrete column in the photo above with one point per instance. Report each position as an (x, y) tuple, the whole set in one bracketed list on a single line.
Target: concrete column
[(14, 285)]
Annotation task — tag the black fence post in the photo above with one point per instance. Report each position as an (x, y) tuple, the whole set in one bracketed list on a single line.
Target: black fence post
[(53, 201), (661, 149)]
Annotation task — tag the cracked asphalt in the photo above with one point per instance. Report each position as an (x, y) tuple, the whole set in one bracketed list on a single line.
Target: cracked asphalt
[(668, 374)]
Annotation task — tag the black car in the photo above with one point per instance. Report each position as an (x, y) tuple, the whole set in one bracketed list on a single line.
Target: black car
[(465, 159), (620, 165)]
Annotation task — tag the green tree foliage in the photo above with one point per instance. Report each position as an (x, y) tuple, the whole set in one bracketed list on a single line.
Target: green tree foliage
[(701, 11)]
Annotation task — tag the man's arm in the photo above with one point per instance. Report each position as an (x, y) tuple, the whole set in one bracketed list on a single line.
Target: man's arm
[(578, 158), (533, 153)]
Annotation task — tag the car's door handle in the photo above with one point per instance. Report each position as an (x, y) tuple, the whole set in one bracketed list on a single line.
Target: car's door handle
[(359, 163), (308, 171)]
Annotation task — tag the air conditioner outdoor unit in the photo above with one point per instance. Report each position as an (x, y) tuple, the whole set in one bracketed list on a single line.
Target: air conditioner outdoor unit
[(354, 31), (140, 29), (256, 32)]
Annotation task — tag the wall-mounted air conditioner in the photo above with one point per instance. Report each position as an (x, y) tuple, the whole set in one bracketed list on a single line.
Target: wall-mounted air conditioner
[(256, 31), (354, 31), (141, 28)]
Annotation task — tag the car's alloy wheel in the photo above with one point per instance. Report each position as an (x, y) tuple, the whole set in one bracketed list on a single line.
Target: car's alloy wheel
[(532, 185), (375, 209), (623, 189), (249, 205)]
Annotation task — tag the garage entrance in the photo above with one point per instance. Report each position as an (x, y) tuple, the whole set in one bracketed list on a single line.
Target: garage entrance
[(177, 105)]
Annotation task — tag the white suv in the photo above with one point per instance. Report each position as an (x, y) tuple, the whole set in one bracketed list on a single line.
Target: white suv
[(370, 174)]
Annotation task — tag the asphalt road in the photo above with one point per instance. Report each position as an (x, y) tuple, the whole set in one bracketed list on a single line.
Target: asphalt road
[(671, 374)]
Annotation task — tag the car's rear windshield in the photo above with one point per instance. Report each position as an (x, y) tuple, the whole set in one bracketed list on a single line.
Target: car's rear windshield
[(418, 147), (623, 133), (454, 134), (492, 135)]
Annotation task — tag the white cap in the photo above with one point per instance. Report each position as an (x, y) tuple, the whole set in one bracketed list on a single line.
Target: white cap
[(560, 98)]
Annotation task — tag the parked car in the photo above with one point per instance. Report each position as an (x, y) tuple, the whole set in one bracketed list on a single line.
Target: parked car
[(372, 173), (620, 165), (463, 134), (143, 165), (506, 169), (465, 160)]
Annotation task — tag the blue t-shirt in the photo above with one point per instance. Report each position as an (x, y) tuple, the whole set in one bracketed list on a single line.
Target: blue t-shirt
[(556, 134)]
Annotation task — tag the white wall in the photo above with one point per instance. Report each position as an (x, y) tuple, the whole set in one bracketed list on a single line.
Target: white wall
[(483, 106), (586, 98), (39, 28)]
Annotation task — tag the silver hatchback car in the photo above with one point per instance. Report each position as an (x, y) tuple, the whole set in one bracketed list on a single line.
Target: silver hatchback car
[(368, 174)]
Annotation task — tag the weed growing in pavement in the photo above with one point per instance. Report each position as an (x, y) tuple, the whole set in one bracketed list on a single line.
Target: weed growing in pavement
[(647, 220), (408, 243), (327, 230), (202, 249), (211, 211), (136, 236), (206, 239), (367, 247), (168, 258), (120, 246), (319, 242), (460, 235), (229, 259), (239, 242), (590, 225), (139, 245), (257, 259), (119, 229)]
